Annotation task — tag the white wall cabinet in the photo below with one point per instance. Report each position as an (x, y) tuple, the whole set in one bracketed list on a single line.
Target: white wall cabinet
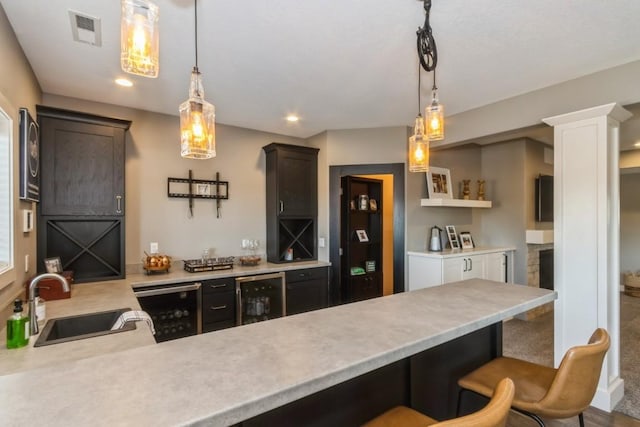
[(428, 269)]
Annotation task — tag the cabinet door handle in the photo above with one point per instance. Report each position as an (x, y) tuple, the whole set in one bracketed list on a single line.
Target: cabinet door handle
[(470, 264), (465, 265), (218, 307), (119, 204), (224, 285), (281, 206)]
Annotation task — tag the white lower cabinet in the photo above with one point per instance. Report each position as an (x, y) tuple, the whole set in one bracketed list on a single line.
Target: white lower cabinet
[(428, 269)]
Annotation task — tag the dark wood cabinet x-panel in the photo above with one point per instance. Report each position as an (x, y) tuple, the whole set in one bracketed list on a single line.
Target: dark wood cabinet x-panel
[(81, 213)]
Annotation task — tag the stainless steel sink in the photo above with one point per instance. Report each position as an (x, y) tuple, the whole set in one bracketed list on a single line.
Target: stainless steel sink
[(71, 328)]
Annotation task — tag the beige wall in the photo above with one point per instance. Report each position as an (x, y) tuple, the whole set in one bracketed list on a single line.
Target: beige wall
[(463, 163), (510, 169), (618, 84), (629, 222), (19, 88), (153, 155)]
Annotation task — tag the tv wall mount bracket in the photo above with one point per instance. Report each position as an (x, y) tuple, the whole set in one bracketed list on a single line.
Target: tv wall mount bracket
[(191, 188)]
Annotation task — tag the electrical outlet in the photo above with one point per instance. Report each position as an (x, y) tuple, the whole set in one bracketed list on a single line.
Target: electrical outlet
[(153, 247), (321, 242)]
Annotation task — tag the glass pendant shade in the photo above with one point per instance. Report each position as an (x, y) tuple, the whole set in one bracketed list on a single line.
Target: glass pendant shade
[(419, 148), (197, 123), (435, 120), (139, 38)]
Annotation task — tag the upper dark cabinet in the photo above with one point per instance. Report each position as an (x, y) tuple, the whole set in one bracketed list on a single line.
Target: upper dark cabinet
[(292, 202), (292, 177), (82, 163)]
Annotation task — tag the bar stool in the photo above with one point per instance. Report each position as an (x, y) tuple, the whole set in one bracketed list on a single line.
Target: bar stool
[(542, 391), (493, 415)]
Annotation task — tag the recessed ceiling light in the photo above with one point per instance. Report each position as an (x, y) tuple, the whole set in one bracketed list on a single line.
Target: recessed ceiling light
[(124, 82), (292, 118)]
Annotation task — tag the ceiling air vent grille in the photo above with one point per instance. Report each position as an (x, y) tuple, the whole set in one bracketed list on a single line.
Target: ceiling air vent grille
[(85, 28)]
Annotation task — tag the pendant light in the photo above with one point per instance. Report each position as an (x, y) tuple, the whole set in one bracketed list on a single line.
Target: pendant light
[(428, 54), (139, 38), (197, 116), (418, 142), (434, 113)]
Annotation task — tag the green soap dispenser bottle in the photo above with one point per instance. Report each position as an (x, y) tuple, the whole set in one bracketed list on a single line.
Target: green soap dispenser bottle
[(17, 327)]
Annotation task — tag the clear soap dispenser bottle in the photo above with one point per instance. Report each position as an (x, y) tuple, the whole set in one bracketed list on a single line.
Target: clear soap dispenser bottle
[(17, 327)]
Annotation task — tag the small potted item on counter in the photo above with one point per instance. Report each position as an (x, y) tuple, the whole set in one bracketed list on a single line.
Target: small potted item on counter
[(156, 262)]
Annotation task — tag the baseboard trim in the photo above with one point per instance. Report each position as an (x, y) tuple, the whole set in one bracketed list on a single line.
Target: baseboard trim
[(607, 399)]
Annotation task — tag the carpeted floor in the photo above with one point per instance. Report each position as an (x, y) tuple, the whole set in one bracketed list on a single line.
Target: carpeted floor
[(533, 340)]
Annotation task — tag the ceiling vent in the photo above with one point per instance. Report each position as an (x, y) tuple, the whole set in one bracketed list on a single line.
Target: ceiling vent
[(85, 28)]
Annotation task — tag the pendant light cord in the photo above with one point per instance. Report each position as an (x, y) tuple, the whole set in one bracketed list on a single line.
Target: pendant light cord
[(419, 86), (196, 32)]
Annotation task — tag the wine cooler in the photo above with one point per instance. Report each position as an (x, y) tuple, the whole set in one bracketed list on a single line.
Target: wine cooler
[(260, 298)]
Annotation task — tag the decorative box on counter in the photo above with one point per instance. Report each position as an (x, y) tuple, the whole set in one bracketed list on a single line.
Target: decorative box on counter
[(51, 289)]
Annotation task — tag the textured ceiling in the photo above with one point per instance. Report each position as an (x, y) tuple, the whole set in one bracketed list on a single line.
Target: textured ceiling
[(336, 63)]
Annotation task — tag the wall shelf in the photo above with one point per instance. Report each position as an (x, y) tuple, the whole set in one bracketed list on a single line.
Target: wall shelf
[(456, 203)]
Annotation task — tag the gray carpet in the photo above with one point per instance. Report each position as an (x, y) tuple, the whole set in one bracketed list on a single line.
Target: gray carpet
[(533, 340)]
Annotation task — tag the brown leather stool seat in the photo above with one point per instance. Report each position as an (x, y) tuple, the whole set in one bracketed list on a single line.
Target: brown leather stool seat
[(493, 415), (542, 391)]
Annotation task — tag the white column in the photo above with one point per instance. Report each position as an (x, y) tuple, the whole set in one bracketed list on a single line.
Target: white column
[(587, 237)]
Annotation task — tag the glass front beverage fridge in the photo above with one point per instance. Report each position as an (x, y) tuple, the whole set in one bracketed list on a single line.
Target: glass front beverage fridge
[(260, 298)]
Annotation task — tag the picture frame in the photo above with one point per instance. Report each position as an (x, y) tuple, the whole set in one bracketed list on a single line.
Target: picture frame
[(452, 236), (373, 205), (370, 265), (439, 183), (362, 236), (29, 157), (203, 189), (466, 240), (53, 265)]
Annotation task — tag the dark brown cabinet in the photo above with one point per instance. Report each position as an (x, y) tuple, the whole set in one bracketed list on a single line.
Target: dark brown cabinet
[(82, 203), (84, 167), (307, 290), (218, 304), (292, 202), (361, 238)]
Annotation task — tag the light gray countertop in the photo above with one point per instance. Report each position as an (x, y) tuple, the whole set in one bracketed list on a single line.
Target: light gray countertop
[(223, 377), (177, 273), (107, 295), (450, 253)]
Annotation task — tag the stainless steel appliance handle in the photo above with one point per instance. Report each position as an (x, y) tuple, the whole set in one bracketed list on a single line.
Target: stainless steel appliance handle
[(259, 277), (164, 291), (118, 204)]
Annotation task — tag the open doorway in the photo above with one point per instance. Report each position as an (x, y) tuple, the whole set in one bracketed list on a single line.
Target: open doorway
[(394, 173)]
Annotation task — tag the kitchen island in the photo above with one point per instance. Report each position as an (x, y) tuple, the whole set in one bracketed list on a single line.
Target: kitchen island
[(233, 375)]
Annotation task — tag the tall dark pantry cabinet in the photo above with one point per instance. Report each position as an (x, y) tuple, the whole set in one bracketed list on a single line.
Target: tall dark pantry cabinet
[(361, 238), (81, 217), (292, 202)]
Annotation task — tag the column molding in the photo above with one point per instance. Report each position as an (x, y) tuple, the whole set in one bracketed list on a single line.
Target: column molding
[(587, 236)]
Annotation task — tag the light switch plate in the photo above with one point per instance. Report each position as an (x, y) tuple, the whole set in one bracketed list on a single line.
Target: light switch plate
[(27, 220)]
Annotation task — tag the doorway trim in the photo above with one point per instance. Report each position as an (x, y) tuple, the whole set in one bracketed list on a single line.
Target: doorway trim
[(337, 172)]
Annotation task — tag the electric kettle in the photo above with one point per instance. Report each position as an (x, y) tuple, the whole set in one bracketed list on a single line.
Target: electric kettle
[(435, 244)]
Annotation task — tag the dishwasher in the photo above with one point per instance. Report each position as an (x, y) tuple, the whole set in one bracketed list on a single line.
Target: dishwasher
[(260, 298), (174, 308)]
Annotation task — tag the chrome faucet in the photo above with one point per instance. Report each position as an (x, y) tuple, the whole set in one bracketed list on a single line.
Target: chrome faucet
[(33, 323)]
